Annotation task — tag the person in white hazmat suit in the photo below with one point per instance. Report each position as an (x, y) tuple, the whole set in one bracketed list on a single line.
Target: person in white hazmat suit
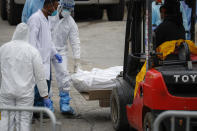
[(65, 31), (20, 69), (40, 38)]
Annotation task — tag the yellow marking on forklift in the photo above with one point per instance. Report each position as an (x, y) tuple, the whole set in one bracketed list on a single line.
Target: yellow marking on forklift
[(0, 115), (139, 78)]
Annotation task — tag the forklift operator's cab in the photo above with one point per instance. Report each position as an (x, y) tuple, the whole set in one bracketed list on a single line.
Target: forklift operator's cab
[(140, 38), (155, 79)]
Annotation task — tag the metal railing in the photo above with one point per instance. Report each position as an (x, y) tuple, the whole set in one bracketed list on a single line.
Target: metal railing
[(173, 114), (55, 126)]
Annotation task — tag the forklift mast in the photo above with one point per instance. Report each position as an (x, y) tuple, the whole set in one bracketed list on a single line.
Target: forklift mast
[(192, 4), (138, 37)]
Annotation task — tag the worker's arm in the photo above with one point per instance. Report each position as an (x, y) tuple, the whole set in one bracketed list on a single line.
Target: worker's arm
[(34, 25), (74, 39), (53, 49), (40, 79)]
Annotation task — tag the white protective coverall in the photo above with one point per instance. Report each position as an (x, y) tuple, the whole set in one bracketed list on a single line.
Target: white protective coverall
[(21, 68), (64, 31), (40, 38)]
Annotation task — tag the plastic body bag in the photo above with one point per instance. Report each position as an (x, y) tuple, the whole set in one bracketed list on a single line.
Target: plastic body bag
[(95, 79)]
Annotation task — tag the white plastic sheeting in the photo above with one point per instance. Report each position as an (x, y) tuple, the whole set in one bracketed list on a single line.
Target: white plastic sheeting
[(95, 79)]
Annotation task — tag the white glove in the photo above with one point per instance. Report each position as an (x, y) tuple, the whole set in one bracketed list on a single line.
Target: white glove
[(76, 65)]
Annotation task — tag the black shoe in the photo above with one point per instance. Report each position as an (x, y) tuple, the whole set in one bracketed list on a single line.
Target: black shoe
[(36, 115), (45, 116)]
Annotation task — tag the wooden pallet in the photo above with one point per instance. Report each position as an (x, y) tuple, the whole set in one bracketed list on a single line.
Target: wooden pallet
[(102, 95)]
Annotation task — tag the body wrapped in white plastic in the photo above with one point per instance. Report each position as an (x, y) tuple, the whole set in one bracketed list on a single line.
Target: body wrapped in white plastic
[(96, 79)]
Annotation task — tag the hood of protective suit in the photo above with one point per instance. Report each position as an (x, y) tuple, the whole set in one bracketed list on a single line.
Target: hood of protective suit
[(67, 3), (65, 13), (21, 32)]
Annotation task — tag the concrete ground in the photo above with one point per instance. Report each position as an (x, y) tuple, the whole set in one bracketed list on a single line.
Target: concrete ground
[(102, 45)]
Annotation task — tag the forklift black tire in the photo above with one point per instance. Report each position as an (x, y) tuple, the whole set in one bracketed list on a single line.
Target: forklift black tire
[(118, 109), (148, 122), (14, 12), (3, 9), (116, 12)]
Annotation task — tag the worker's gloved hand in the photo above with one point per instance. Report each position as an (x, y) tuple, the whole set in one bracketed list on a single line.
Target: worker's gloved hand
[(59, 58), (48, 103), (76, 65)]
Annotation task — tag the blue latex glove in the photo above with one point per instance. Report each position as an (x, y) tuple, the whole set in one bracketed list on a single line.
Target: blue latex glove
[(59, 58), (48, 103)]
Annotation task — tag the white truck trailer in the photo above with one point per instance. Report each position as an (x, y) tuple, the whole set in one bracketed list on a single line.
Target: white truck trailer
[(12, 9)]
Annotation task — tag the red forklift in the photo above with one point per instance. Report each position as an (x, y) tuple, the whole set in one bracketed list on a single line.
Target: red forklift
[(167, 85)]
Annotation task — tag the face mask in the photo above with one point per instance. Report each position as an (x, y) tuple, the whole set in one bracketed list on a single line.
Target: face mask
[(65, 13), (54, 13)]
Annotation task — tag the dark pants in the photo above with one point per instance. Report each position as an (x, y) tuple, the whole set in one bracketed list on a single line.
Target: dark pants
[(38, 100)]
